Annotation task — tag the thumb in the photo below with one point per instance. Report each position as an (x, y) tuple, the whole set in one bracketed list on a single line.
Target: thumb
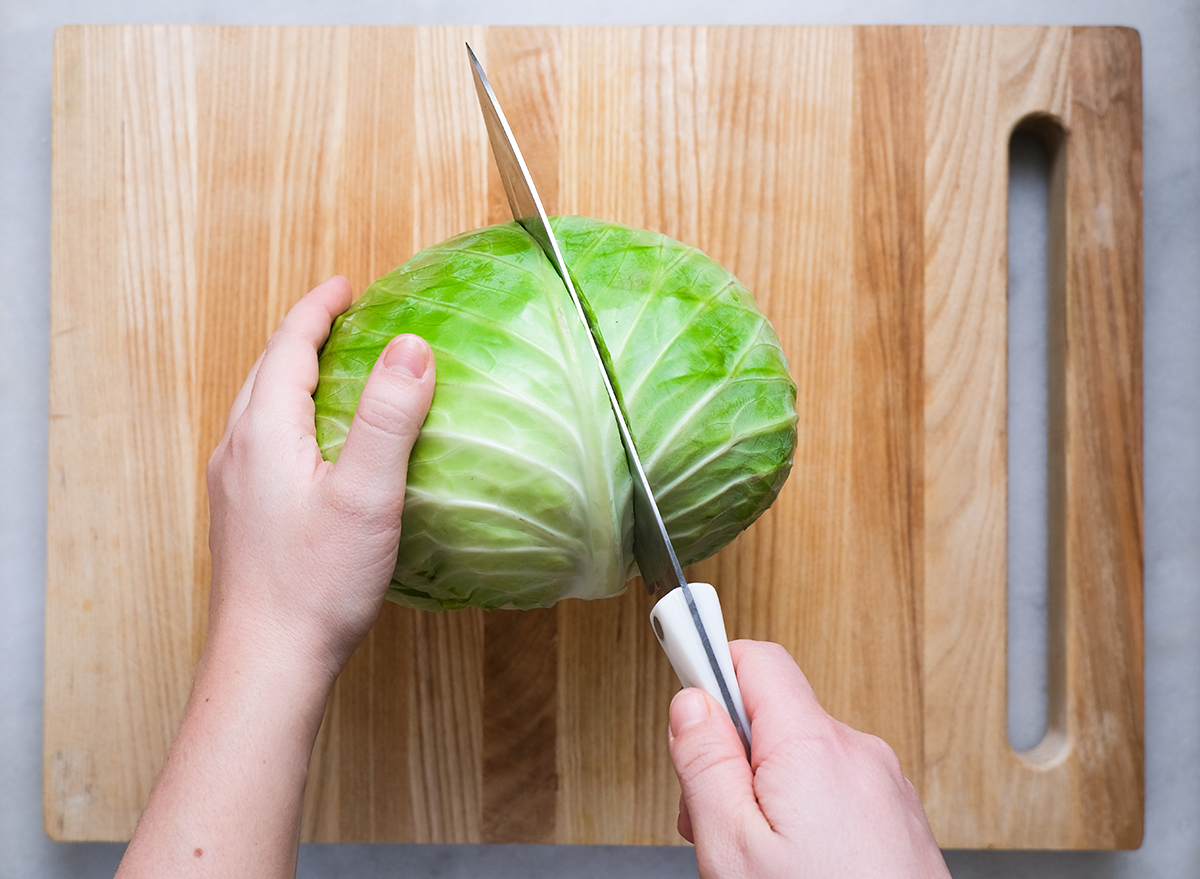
[(718, 784), (373, 463)]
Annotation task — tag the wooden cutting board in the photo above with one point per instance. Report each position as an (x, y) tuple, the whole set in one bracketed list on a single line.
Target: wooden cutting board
[(854, 177)]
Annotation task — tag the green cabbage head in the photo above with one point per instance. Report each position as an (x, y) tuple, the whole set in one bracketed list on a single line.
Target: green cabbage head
[(518, 489)]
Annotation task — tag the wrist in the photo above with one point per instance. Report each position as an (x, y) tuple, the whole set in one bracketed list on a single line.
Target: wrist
[(266, 672), (281, 626)]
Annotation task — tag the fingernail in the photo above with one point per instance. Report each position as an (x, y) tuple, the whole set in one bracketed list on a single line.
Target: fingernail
[(688, 708), (408, 355)]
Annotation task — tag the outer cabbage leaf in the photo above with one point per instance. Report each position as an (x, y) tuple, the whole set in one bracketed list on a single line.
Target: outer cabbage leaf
[(701, 376), (518, 490)]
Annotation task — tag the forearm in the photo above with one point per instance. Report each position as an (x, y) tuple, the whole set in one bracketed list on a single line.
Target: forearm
[(229, 797)]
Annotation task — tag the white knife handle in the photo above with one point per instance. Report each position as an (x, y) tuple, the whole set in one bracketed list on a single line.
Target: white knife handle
[(674, 621)]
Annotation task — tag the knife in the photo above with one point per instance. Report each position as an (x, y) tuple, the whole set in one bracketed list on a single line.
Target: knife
[(687, 620)]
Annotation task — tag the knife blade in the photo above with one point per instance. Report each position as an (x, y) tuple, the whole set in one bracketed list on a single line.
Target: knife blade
[(688, 619)]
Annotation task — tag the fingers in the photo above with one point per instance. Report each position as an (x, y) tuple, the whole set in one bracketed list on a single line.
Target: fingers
[(286, 375), (718, 795), (820, 799), (311, 316), (373, 465), (779, 700)]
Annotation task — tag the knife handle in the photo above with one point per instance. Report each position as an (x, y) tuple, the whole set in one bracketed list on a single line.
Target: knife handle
[(691, 629)]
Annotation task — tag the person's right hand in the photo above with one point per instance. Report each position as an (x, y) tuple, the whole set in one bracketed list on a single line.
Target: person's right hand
[(817, 799)]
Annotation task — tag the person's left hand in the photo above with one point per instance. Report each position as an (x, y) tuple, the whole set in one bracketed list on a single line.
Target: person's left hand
[(302, 549)]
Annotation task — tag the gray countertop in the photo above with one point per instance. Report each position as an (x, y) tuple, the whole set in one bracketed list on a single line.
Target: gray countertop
[(1170, 32)]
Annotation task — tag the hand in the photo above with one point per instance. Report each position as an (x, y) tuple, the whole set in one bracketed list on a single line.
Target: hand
[(303, 550), (817, 799)]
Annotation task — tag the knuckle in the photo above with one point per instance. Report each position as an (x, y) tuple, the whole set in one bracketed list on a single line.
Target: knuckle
[(383, 413), (879, 767), (344, 503), (215, 467), (698, 757), (235, 453), (844, 744), (285, 335), (367, 511), (880, 753), (243, 439)]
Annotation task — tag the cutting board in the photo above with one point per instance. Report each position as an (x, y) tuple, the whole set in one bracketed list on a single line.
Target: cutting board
[(855, 178)]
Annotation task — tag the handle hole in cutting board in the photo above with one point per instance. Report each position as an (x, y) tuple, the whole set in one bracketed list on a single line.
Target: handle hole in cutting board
[(1035, 272)]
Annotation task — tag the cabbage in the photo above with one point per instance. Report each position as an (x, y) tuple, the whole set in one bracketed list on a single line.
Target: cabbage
[(518, 489)]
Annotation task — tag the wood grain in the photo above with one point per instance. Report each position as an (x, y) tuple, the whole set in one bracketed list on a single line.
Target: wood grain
[(978, 791), (886, 501), (854, 178)]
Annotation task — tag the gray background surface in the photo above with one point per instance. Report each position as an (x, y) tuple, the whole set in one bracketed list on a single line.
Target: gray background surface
[(1170, 31)]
